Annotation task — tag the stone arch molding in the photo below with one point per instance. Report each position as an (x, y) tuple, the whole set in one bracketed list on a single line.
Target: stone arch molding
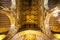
[(46, 4), (11, 18), (12, 21)]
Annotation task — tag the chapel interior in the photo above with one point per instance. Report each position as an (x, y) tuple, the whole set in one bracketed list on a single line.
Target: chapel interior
[(29, 19)]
